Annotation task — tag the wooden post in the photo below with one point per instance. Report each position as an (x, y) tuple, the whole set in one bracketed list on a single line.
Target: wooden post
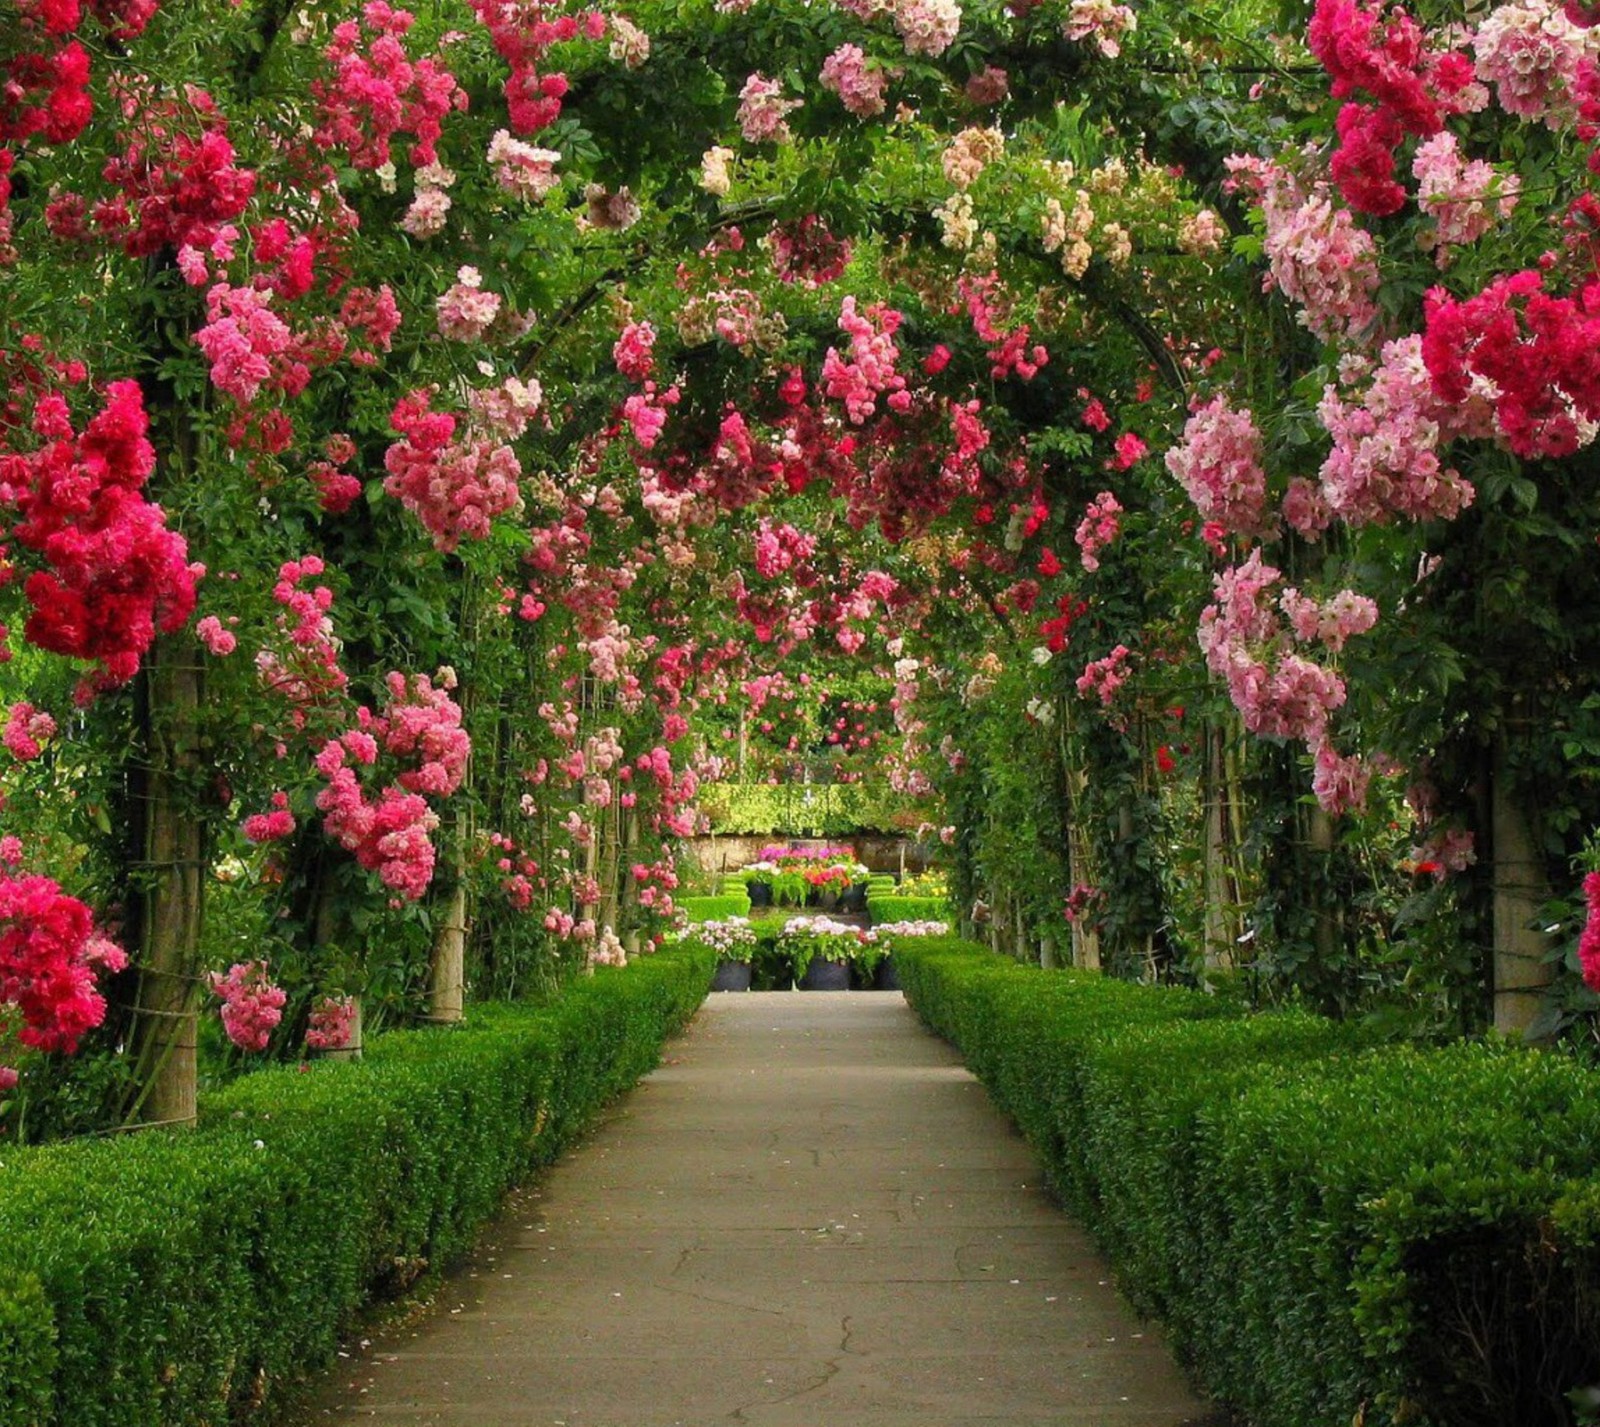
[(170, 896), (447, 982), (1520, 970)]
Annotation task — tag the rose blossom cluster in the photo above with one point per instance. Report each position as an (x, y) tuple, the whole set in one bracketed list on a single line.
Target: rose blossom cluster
[(271, 826), (1532, 356), (177, 189), (1589, 941), (464, 311), (1102, 21), (251, 1005), (779, 548), (927, 27), (1317, 255), (1465, 199), (27, 729), (113, 574), (870, 372), (807, 253), (630, 46), (332, 1022), (522, 169), (391, 836), (1279, 692), (1103, 677), (634, 351), (423, 723), (763, 111), (859, 83), (1385, 457), (969, 153), (49, 954), (1534, 56), (249, 346), (1219, 464), (523, 32), (377, 91), (1384, 54), (1098, 528), (311, 671), (454, 486)]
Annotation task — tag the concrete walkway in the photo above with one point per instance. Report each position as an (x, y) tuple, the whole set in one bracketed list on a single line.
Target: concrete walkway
[(810, 1216)]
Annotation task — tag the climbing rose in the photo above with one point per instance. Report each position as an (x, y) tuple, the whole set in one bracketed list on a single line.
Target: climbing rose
[(762, 111), (49, 951), (1589, 942), (270, 827), (1218, 463), (251, 1004), (859, 83), (27, 728), (332, 1023)]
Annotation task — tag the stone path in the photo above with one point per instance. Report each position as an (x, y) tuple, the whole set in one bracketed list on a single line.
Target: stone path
[(810, 1216)]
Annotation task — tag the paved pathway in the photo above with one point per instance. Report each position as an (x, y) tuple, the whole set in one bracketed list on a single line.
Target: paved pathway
[(810, 1216)]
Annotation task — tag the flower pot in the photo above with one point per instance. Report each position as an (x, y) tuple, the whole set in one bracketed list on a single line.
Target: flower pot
[(824, 975), (732, 976), (886, 978), (854, 898), (760, 893)]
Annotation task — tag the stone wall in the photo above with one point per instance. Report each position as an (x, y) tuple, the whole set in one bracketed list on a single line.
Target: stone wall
[(880, 852)]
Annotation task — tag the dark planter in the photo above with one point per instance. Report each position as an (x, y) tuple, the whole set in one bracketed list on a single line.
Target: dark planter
[(732, 976), (886, 978), (760, 893), (826, 976), (854, 899)]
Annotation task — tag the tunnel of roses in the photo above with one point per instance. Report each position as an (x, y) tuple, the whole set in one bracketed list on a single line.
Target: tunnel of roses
[(445, 456)]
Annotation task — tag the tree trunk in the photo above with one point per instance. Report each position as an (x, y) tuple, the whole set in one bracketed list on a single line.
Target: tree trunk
[(170, 895), (1520, 970), (1221, 923)]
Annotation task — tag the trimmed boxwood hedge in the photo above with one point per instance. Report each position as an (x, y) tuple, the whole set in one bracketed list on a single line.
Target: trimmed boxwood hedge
[(1335, 1230), (712, 909), (164, 1280), (890, 908)]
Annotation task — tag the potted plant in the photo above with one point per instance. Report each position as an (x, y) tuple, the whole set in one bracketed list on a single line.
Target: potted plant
[(881, 976), (821, 951), (734, 941)]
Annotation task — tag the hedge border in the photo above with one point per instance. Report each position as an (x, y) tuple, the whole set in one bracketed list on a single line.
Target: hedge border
[(714, 908), (190, 1279), (1333, 1229)]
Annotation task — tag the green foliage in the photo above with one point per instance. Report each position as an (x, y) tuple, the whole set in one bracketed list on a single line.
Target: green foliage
[(711, 909), (816, 810), (27, 1351), (193, 1278), (906, 909), (1335, 1230)]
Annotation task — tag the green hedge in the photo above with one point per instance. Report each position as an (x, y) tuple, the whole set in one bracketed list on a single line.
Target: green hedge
[(712, 909), (906, 909), (164, 1280), (1334, 1230), (808, 810)]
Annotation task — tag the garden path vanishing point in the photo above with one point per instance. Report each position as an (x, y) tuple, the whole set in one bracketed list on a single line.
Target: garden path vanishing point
[(809, 1216)]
